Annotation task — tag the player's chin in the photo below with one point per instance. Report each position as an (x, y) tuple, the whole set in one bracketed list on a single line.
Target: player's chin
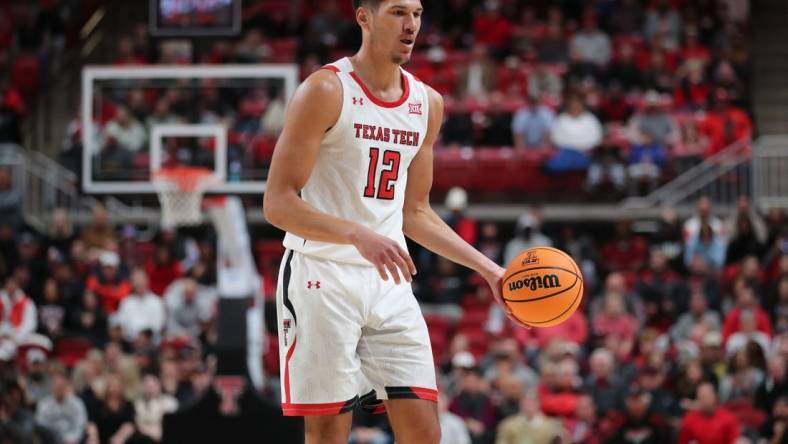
[(401, 58)]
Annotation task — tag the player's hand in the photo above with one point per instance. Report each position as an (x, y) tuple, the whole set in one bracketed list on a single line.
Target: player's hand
[(495, 280), (385, 254)]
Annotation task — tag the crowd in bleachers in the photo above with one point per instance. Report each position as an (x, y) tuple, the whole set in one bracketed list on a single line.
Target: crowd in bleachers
[(615, 95), (35, 36), (682, 335)]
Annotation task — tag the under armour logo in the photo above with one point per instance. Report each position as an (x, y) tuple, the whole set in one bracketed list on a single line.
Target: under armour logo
[(414, 108), (310, 284), (358, 100)]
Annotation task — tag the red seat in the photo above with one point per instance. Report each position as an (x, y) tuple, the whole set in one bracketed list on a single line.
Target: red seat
[(70, 351)]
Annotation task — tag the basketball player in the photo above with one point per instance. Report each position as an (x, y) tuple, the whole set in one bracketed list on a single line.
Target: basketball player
[(357, 145)]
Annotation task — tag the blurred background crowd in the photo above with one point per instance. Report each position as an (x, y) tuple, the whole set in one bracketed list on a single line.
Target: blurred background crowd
[(683, 334)]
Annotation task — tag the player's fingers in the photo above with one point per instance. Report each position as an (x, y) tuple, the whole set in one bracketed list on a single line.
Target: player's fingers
[(408, 260), (381, 269), (402, 264), (392, 269)]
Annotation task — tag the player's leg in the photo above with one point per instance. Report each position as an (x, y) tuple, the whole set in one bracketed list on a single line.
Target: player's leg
[(331, 429), (396, 357), (319, 328), (415, 421)]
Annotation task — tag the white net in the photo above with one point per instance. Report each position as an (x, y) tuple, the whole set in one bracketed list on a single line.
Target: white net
[(180, 193)]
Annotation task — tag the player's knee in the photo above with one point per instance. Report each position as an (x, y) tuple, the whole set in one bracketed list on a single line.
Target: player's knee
[(327, 430), (425, 432)]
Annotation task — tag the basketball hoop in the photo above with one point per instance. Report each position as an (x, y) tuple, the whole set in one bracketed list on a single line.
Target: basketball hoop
[(180, 191)]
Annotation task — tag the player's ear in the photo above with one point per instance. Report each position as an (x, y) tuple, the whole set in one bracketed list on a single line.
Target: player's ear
[(363, 17)]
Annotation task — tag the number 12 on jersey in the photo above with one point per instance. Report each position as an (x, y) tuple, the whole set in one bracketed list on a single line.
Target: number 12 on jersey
[(388, 174)]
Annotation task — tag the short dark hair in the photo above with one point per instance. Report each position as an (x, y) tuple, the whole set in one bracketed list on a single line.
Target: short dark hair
[(372, 3)]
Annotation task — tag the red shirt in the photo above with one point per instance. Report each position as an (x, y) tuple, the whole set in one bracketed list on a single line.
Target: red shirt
[(494, 31), (557, 403), (719, 428), (110, 293), (731, 324), (625, 254), (162, 275)]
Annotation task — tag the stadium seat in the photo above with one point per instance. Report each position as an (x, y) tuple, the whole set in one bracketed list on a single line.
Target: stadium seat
[(72, 350)]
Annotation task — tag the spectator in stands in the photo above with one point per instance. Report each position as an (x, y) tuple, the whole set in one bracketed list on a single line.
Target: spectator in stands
[(490, 242), (592, 44), (745, 210), (775, 429), (161, 114), (584, 427), (52, 312), (492, 29), (141, 310), (10, 121), (725, 124), (663, 399), (646, 160), (162, 269), (457, 202), (707, 244), (89, 318), (698, 315), (545, 82), (745, 300), (575, 133), (664, 22), (100, 232), (654, 123), (63, 412), (477, 77), (126, 131), (743, 242), (775, 384), (530, 424), (614, 321), (37, 380), (726, 79), (606, 177), (453, 429), (18, 313), (473, 405), (189, 307), (639, 424), (658, 75), (532, 124), (527, 234), (10, 201), (127, 55), (744, 374), (691, 146), (603, 384), (60, 235), (703, 216), (624, 71), (151, 408), (558, 391), (553, 48), (108, 284), (625, 250), (706, 422), (113, 419), (748, 332)]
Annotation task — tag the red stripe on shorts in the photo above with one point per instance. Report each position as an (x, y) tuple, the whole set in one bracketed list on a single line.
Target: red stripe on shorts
[(287, 370), (425, 393)]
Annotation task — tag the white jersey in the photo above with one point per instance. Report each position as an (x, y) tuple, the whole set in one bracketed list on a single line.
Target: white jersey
[(362, 167)]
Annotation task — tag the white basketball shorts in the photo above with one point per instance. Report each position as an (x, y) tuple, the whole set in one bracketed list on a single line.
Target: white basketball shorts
[(346, 336)]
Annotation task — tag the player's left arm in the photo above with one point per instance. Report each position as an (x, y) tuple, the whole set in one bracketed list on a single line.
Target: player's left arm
[(423, 225)]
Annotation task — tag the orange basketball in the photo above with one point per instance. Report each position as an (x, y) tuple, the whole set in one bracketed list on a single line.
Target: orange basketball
[(543, 286)]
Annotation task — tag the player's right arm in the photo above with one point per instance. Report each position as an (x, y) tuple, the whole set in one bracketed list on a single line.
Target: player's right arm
[(313, 110)]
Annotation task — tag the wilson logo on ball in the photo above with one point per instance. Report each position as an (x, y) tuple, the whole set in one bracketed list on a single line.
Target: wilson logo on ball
[(536, 282)]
